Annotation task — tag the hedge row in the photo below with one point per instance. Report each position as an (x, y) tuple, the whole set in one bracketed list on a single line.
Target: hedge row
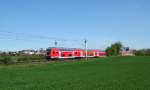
[(21, 59)]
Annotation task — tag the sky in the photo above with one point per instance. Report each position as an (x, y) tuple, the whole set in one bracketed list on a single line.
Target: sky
[(26, 24)]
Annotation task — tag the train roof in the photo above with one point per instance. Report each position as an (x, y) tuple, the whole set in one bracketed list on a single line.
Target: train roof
[(63, 49), (72, 49)]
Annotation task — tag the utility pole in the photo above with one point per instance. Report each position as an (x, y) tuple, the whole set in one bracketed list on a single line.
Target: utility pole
[(85, 42), (56, 43)]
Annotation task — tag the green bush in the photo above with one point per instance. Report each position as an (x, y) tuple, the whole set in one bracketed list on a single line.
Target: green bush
[(7, 60), (24, 59), (28, 58), (38, 58)]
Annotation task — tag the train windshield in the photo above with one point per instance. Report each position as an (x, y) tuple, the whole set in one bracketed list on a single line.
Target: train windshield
[(48, 50)]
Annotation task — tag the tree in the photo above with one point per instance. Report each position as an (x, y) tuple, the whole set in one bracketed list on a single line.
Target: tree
[(142, 52), (108, 51), (114, 49)]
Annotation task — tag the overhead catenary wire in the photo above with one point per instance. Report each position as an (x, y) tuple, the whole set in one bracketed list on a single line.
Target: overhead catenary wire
[(21, 39), (36, 38)]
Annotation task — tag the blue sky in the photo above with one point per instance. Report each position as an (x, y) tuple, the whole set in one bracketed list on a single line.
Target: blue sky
[(102, 22)]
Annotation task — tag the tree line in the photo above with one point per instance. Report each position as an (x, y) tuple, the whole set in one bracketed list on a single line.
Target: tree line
[(142, 52), (116, 48)]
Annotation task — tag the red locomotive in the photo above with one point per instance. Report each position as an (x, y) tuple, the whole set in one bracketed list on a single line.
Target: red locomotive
[(66, 53)]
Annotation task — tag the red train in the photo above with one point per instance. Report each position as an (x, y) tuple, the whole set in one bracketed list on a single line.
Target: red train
[(66, 53)]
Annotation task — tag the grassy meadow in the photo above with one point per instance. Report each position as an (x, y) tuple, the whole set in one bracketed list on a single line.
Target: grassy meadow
[(110, 73)]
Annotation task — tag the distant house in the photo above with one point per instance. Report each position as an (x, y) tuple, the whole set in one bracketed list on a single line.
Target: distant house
[(127, 52), (1, 52), (33, 52), (40, 51), (28, 52)]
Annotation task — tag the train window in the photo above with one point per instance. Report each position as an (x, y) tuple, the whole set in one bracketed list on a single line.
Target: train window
[(76, 52), (48, 53), (63, 55), (48, 50)]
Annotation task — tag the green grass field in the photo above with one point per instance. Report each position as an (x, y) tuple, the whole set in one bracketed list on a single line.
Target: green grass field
[(113, 73)]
